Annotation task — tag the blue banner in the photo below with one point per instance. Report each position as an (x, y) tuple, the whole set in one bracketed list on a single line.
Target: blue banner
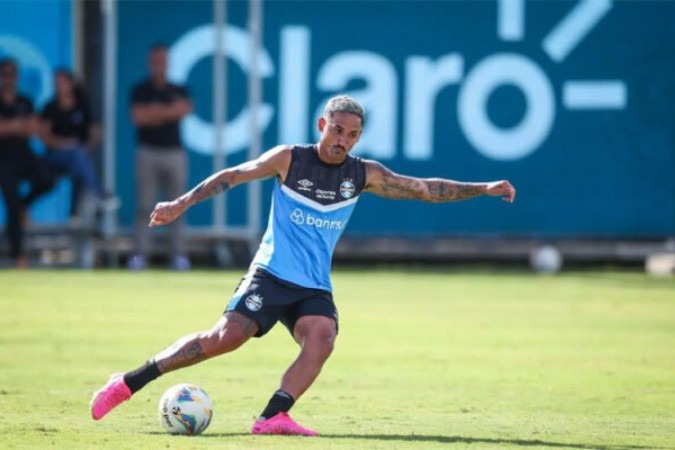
[(572, 101), (38, 35)]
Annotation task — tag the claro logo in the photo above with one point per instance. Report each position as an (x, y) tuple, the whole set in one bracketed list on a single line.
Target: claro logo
[(298, 217), (420, 78)]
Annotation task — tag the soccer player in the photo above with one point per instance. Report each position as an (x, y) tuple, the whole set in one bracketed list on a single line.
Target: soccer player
[(289, 279)]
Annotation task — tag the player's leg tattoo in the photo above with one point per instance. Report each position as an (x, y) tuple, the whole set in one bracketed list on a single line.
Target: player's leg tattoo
[(231, 331), (185, 352), (248, 326)]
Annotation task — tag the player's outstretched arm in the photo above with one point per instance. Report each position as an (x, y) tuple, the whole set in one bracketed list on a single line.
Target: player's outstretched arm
[(385, 183), (274, 162)]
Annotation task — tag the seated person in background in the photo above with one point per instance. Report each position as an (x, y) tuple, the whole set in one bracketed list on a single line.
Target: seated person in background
[(17, 162), (69, 133)]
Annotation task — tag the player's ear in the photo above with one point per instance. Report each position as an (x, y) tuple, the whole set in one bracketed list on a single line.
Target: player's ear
[(322, 124)]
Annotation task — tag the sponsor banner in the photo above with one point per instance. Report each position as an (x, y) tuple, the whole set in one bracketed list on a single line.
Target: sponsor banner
[(571, 101)]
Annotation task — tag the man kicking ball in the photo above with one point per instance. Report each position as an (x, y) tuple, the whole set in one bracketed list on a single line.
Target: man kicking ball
[(289, 279)]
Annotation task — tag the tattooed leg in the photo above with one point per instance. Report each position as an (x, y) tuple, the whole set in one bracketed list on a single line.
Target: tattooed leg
[(185, 352), (231, 331)]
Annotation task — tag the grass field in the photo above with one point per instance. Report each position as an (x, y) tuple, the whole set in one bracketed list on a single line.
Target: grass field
[(424, 360)]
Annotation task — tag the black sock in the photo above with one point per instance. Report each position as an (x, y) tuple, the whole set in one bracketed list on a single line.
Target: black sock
[(281, 401), (138, 378)]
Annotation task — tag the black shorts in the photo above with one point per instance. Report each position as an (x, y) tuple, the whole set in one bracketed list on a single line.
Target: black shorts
[(267, 299)]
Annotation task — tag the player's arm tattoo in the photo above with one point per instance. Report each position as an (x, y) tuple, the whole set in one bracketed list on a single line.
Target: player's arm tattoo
[(449, 191), (184, 353), (204, 190), (400, 187), (391, 185), (212, 186)]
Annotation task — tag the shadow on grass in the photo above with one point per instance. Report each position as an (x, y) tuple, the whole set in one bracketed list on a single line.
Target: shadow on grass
[(471, 440), (457, 440)]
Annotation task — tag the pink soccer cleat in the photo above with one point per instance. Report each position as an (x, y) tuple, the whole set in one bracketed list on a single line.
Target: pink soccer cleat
[(281, 424), (109, 396)]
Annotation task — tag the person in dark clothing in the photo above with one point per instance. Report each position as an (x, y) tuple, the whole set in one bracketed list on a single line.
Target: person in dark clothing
[(69, 132), (157, 107), (17, 162)]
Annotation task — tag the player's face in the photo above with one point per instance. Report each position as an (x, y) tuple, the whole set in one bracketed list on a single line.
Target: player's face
[(338, 135)]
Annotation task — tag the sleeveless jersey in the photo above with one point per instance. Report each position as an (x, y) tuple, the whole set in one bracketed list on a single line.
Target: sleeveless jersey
[(309, 212)]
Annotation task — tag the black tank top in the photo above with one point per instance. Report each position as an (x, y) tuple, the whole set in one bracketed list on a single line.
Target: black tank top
[(325, 183)]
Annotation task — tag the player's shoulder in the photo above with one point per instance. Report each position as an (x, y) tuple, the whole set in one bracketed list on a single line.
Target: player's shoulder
[(279, 155), (298, 148), (282, 149), (375, 171), (374, 166), (356, 159), (279, 158), (291, 150)]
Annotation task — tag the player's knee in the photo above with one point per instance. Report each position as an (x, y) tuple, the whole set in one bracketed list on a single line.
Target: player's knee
[(226, 336), (326, 346), (319, 344), (226, 340)]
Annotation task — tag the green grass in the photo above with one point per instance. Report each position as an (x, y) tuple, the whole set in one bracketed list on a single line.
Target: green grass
[(424, 360)]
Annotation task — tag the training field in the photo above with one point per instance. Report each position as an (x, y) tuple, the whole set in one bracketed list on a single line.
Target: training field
[(425, 359)]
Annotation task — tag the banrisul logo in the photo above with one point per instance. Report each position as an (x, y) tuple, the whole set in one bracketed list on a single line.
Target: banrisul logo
[(299, 217), (408, 88)]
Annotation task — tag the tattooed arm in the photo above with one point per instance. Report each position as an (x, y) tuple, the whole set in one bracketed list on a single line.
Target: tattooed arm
[(385, 183), (275, 162)]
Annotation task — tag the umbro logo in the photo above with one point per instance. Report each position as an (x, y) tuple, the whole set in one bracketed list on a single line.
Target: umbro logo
[(305, 185)]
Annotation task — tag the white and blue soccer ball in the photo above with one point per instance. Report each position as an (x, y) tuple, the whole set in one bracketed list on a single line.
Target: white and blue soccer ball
[(185, 409)]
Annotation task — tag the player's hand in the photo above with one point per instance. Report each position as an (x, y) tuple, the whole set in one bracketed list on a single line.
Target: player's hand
[(166, 212), (501, 189)]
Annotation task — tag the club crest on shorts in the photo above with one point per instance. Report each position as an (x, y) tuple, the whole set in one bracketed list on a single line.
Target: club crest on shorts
[(347, 189), (254, 302)]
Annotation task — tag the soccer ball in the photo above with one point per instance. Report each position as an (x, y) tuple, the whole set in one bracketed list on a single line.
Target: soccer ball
[(185, 409)]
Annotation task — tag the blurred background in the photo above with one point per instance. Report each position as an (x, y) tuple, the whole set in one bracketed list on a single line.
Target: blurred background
[(572, 101)]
